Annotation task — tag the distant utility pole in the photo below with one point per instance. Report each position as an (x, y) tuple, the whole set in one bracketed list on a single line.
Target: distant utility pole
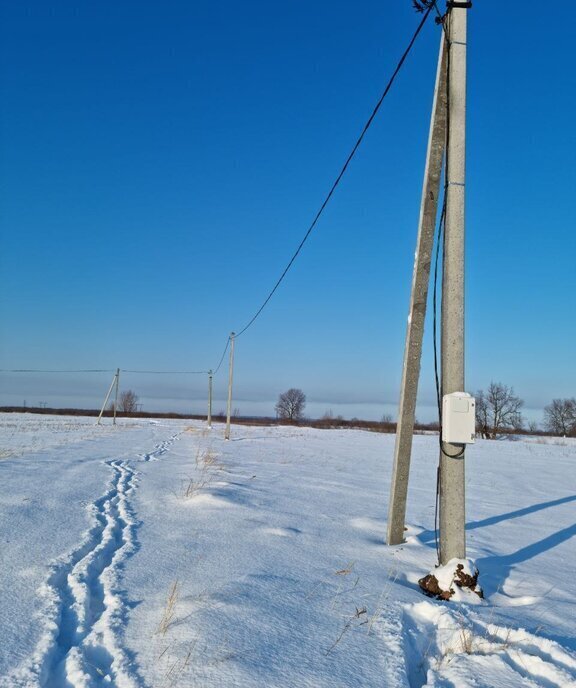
[(210, 399), (114, 382), (417, 311), (230, 375), (452, 488), (116, 395)]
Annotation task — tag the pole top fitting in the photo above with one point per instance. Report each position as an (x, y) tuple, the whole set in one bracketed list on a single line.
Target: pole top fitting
[(450, 4), (232, 335)]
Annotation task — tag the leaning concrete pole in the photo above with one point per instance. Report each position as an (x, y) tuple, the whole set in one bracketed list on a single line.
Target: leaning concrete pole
[(452, 511), (230, 376), (417, 311), (114, 379)]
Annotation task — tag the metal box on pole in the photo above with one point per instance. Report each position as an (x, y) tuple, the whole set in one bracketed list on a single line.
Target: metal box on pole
[(458, 418)]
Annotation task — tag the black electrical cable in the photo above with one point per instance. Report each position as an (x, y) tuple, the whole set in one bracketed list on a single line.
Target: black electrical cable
[(32, 370), (167, 372), (435, 344), (435, 310), (222, 357), (345, 166), (439, 242)]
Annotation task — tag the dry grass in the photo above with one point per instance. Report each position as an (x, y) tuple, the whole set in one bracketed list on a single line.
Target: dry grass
[(206, 460), (393, 574), (177, 666), (466, 640), (169, 609), (175, 650), (193, 486), (206, 466), (359, 617)]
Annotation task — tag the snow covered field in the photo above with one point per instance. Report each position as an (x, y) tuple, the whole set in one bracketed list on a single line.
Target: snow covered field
[(156, 554)]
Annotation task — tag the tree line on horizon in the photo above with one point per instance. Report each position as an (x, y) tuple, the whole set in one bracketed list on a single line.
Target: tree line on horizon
[(498, 411)]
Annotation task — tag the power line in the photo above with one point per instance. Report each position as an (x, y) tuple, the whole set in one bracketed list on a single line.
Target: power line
[(345, 166), (222, 357), (122, 370), (166, 372), (31, 370)]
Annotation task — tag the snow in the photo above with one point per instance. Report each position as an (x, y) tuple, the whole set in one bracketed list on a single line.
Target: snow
[(448, 576), (154, 553)]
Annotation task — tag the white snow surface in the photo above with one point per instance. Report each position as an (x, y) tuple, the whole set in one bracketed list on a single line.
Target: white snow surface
[(156, 554)]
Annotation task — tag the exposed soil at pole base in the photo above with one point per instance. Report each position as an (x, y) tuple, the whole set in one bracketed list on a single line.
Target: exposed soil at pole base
[(431, 587)]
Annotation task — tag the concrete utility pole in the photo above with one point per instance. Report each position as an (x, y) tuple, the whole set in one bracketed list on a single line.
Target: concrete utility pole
[(209, 399), (230, 375), (417, 312), (452, 507), (116, 396), (114, 382)]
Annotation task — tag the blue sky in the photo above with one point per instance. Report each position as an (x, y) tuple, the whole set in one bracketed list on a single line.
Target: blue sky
[(160, 163)]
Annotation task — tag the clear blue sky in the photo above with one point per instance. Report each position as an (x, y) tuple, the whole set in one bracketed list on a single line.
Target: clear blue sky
[(160, 162)]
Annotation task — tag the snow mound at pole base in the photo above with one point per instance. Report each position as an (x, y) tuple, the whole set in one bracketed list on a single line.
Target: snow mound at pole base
[(457, 580)]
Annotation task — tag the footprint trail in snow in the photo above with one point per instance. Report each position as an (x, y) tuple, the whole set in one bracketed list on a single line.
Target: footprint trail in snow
[(82, 645), (454, 646)]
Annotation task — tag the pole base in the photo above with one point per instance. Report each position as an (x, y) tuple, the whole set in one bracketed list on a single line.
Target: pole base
[(456, 581)]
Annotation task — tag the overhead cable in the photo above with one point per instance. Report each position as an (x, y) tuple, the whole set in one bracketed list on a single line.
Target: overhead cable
[(31, 370), (222, 357), (166, 372), (345, 166)]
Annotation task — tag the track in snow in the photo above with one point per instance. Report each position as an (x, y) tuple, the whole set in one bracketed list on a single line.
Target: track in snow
[(87, 609), (447, 645), (85, 647), (159, 450)]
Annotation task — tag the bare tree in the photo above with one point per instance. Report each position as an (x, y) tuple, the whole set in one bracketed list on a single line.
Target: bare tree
[(128, 402), (290, 405), (560, 417), (497, 409)]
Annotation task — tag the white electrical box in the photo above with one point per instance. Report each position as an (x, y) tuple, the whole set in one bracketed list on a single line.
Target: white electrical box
[(458, 418)]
